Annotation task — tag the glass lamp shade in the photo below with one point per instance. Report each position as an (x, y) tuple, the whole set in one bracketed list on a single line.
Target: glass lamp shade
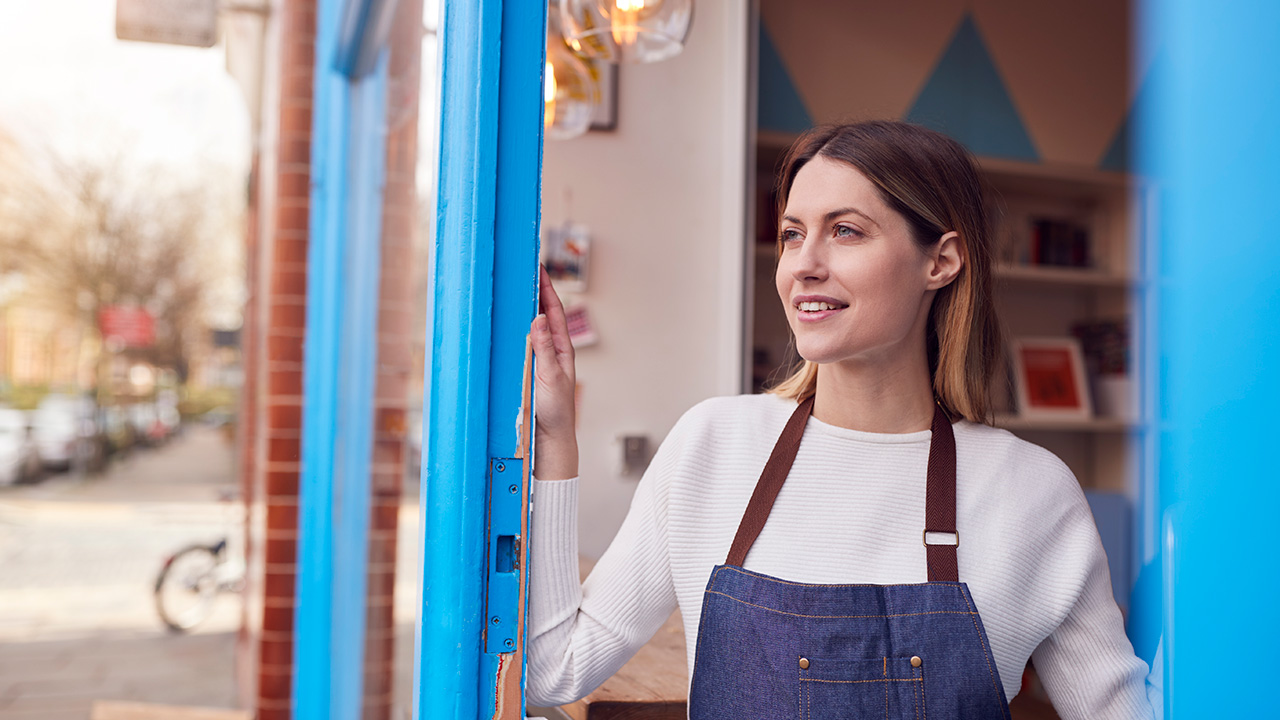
[(630, 31), (570, 94)]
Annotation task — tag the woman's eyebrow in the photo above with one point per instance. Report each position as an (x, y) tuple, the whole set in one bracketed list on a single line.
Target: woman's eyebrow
[(835, 214)]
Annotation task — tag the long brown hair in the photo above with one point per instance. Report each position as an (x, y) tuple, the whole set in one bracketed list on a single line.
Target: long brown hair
[(933, 182)]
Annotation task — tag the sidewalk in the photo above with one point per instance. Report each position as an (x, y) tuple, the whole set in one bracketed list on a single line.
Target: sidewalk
[(79, 559)]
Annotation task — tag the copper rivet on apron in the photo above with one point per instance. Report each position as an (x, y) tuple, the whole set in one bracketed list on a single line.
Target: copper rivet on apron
[(804, 663), (915, 661)]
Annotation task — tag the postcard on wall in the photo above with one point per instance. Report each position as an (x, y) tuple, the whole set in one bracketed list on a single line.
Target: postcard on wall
[(566, 253), (581, 332)]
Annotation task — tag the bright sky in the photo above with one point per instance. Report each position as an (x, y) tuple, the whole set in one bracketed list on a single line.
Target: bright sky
[(70, 84), (67, 79)]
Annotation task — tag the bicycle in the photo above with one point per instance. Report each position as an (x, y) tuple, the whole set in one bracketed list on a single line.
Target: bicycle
[(191, 579), (190, 582)]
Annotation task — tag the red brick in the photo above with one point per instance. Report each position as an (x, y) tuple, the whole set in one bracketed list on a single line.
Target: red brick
[(265, 711), (276, 652), (284, 349), (289, 284), (282, 550), (274, 684), (282, 415), (278, 584), (278, 619), (282, 484), (284, 382), (384, 517), (284, 449), (292, 314)]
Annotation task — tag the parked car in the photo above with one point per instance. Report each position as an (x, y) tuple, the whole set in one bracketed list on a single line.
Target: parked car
[(65, 430), (19, 459), (146, 424)]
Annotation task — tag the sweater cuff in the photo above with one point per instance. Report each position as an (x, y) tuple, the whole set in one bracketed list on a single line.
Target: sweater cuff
[(555, 587)]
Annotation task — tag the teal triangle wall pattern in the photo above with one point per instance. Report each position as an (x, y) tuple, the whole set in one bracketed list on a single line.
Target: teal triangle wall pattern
[(966, 98), (1119, 156), (779, 105)]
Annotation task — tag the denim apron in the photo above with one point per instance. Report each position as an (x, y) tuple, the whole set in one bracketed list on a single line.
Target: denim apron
[(769, 648)]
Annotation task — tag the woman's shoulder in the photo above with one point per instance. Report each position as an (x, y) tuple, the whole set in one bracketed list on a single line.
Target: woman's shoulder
[(733, 417), (736, 411), (1006, 463)]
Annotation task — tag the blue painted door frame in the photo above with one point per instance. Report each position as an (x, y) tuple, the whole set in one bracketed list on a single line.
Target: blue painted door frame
[(347, 171), (1209, 140), (484, 294)]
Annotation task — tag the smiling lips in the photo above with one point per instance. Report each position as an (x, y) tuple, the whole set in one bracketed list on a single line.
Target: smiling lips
[(813, 309)]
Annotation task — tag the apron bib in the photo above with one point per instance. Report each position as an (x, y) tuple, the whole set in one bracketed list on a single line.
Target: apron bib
[(769, 648)]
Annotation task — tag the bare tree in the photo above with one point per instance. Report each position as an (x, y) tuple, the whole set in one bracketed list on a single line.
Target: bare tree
[(94, 232)]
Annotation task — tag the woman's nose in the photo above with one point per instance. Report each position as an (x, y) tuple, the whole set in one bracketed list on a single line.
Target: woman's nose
[(809, 261)]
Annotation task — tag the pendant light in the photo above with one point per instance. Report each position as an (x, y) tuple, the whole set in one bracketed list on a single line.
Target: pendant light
[(631, 31), (570, 94)]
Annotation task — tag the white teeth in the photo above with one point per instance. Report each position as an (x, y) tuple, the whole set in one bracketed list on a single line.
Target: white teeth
[(815, 306)]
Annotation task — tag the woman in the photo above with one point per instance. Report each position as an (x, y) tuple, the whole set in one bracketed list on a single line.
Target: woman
[(816, 597)]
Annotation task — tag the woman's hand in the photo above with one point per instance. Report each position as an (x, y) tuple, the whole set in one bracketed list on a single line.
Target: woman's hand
[(556, 453)]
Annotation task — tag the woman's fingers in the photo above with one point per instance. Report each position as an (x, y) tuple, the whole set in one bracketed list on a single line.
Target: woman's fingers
[(558, 325)]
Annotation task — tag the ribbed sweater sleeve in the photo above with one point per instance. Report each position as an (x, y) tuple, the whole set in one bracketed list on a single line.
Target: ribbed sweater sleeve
[(580, 635)]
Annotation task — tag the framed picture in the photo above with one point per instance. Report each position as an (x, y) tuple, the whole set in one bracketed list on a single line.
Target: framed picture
[(1049, 378), (605, 74)]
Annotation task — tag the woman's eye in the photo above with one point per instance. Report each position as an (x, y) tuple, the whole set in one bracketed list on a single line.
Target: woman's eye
[(846, 231), (789, 235)]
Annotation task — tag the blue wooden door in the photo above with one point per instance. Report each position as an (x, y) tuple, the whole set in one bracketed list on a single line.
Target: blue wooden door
[(476, 413)]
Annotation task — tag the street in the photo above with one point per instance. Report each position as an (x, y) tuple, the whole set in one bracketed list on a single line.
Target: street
[(79, 559), (78, 563)]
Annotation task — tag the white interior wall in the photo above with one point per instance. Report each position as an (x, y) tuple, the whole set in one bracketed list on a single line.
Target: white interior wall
[(663, 198)]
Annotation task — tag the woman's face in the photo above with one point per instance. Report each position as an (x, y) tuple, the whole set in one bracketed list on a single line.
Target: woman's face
[(855, 286)]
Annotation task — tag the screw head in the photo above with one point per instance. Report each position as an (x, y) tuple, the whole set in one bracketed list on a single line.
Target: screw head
[(509, 642), (496, 620), (514, 489), (500, 467)]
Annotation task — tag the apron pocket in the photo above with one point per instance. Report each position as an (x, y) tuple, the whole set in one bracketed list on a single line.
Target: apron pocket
[(861, 688)]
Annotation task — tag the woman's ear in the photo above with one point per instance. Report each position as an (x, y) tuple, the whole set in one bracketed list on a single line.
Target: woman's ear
[(946, 260)]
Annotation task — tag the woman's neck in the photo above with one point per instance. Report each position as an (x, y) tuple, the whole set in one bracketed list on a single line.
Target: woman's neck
[(896, 398)]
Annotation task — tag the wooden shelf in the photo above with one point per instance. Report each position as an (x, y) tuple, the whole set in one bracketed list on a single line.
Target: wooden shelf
[(1089, 425), (1064, 276)]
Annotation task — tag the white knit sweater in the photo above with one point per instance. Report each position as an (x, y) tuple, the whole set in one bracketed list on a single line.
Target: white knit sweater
[(851, 511)]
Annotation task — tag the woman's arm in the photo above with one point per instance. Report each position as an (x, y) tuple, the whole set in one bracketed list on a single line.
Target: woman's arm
[(1087, 663), (580, 634)]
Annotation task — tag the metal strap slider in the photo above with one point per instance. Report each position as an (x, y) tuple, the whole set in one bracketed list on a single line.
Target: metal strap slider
[(939, 537)]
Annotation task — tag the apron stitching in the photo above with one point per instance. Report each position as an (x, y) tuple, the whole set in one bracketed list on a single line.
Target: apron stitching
[(886, 691), (915, 691), (840, 617), (852, 682), (986, 653), (829, 585), (697, 643), (924, 699)]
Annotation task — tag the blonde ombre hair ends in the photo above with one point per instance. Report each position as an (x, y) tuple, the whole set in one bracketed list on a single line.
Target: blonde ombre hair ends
[(933, 182)]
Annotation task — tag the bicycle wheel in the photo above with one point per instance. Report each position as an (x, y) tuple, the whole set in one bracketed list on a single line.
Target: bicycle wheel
[(187, 587)]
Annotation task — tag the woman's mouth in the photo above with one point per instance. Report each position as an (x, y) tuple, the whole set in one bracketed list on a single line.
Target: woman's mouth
[(815, 310)]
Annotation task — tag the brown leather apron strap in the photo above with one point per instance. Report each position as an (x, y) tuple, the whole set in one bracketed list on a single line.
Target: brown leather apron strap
[(770, 482), (940, 502)]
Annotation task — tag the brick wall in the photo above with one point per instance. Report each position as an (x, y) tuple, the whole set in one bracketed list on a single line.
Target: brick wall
[(283, 314)]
